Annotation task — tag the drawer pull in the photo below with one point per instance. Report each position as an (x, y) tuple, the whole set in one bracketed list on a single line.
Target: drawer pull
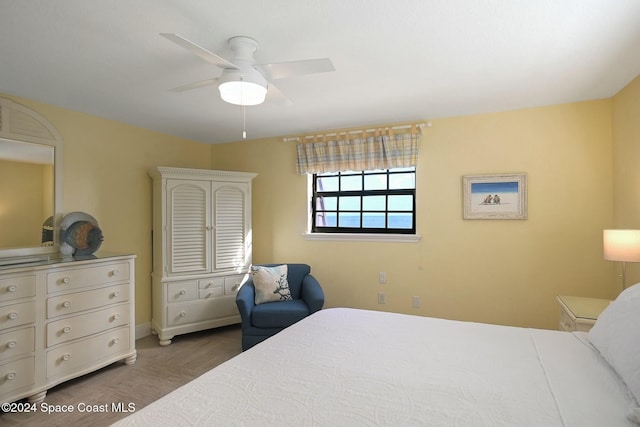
[(66, 304), (115, 294), (115, 341), (115, 273), (183, 292), (13, 315), (66, 329), (66, 357), (11, 288), (11, 344), (10, 376), (66, 279), (182, 314), (115, 316)]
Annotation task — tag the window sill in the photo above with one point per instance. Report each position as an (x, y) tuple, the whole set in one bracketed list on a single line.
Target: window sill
[(360, 237)]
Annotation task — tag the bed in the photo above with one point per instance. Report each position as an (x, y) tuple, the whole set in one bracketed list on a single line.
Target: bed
[(350, 367)]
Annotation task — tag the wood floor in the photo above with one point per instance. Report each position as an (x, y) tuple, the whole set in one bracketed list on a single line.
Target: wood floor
[(157, 371)]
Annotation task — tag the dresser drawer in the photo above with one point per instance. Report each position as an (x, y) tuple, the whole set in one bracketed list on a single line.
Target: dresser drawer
[(83, 325), (182, 291), (17, 314), (17, 287), (15, 343), (70, 358), (90, 276), (201, 310), (75, 302), (17, 374)]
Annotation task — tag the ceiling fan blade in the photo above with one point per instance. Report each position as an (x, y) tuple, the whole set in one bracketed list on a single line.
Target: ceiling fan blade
[(281, 70), (196, 85), (277, 96), (199, 50)]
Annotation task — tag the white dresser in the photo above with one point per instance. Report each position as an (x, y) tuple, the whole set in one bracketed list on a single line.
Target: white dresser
[(61, 319), (201, 248)]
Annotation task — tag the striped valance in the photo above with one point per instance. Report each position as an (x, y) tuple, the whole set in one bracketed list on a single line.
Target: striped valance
[(348, 153)]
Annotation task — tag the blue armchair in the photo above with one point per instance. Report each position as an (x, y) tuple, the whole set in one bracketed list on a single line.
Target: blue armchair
[(261, 321)]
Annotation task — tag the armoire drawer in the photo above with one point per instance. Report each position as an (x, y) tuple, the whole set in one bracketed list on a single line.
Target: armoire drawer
[(232, 284), (182, 291), (17, 314), (201, 310), (82, 277), (17, 287), (76, 356), (17, 342), (17, 374), (79, 301), (73, 327)]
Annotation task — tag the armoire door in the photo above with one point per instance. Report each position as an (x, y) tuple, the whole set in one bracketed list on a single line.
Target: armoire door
[(188, 227), (231, 225)]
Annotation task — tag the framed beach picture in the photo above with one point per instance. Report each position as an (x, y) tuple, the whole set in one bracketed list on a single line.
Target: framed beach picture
[(495, 196)]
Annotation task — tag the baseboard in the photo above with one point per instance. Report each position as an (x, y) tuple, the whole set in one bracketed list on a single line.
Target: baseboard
[(143, 330)]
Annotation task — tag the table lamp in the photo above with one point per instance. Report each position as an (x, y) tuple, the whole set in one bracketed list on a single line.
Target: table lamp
[(623, 246)]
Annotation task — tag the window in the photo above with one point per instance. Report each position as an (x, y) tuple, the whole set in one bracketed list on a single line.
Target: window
[(376, 201)]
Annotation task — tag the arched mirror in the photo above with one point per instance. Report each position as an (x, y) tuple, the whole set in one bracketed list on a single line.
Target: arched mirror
[(30, 184)]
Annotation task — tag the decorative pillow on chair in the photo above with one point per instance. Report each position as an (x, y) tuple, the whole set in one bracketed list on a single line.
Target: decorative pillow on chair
[(270, 283)]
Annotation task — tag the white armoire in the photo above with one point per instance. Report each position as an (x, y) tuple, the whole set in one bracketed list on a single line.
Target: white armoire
[(201, 248)]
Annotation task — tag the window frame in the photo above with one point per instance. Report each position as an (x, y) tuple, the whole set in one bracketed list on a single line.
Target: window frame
[(361, 193)]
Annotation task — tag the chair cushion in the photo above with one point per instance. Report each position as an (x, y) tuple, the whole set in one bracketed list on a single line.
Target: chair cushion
[(279, 314), (270, 284)]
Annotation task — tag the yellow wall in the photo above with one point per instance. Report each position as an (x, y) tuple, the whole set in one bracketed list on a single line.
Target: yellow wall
[(491, 271), (506, 272), (626, 172), (105, 175)]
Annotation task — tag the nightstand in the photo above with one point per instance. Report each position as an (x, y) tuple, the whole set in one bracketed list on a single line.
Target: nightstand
[(580, 313)]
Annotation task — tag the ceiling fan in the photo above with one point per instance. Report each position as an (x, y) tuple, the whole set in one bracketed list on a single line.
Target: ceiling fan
[(243, 82)]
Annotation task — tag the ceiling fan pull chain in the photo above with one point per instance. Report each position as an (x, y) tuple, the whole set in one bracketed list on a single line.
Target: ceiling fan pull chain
[(244, 122), (244, 110)]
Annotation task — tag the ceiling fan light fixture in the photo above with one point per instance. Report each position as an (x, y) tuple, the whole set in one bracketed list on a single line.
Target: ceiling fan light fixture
[(242, 88)]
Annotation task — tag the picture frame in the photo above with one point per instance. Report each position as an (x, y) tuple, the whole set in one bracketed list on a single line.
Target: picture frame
[(499, 196)]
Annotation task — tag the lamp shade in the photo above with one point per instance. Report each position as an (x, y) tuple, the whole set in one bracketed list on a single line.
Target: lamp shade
[(621, 245)]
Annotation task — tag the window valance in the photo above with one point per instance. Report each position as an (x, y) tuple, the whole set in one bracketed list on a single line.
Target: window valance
[(385, 149)]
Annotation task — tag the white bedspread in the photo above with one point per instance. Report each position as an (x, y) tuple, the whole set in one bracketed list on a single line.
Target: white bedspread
[(346, 367)]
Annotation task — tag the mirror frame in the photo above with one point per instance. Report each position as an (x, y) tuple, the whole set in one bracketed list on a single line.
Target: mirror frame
[(21, 124)]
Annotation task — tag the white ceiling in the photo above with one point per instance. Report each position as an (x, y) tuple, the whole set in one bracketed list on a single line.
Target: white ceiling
[(395, 61)]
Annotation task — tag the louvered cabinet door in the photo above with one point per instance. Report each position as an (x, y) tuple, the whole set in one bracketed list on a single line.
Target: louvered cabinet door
[(231, 225), (189, 228)]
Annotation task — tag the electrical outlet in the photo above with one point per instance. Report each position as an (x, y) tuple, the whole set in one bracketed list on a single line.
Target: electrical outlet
[(382, 277), (381, 298), (416, 302)]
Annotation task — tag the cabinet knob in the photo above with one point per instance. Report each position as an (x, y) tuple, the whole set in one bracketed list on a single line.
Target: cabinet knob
[(182, 314), (11, 288), (66, 304), (11, 344), (10, 376), (115, 294), (66, 329), (66, 357), (66, 279), (115, 316), (115, 272), (183, 292), (114, 341), (13, 315)]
